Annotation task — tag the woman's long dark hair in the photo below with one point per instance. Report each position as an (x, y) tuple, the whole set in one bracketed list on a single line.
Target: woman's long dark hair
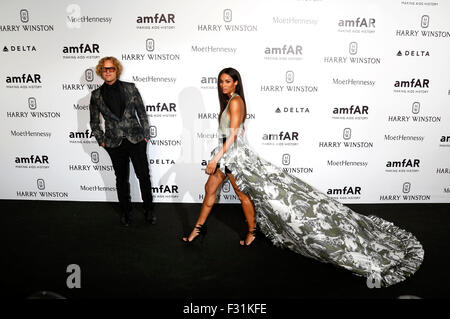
[(223, 98)]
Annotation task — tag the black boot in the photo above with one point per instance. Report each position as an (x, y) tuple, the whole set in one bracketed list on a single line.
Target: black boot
[(150, 217), (125, 219)]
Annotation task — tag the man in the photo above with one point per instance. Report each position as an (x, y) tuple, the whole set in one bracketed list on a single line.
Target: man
[(124, 137)]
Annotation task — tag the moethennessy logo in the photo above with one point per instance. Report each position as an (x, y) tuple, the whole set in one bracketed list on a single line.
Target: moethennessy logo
[(163, 80), (424, 31), (353, 58), (289, 86), (414, 116), (153, 54), (347, 136), (31, 113), (405, 195), (227, 17), (82, 51), (19, 49), (412, 86), (350, 112), (24, 81), (25, 17), (75, 19), (157, 21), (356, 25), (39, 191)]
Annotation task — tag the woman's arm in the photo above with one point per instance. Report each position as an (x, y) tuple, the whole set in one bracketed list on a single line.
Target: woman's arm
[(236, 107)]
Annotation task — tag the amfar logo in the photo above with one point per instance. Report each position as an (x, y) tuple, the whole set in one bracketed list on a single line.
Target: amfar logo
[(285, 50), (33, 159), (358, 23), (413, 83), (404, 163), (156, 19), (81, 135), (282, 136), (227, 15), (25, 78), (347, 190), (162, 189), (82, 48), (353, 109), (161, 107)]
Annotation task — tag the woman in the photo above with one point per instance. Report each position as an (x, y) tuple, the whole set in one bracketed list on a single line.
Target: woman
[(295, 215), (231, 123)]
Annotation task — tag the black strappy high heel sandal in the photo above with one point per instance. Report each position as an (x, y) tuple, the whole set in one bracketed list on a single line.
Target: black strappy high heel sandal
[(201, 231), (253, 233)]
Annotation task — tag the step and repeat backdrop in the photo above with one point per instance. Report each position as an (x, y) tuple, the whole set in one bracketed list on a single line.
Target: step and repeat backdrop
[(353, 97)]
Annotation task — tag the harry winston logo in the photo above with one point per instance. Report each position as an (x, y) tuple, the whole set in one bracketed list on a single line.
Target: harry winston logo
[(289, 76), (150, 45), (153, 132), (24, 16), (406, 187), (94, 157), (89, 75), (226, 187), (416, 107), (40, 184), (353, 48), (32, 103), (347, 134), (425, 21), (227, 15), (286, 159)]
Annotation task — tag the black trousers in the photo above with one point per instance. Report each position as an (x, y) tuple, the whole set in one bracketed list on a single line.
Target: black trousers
[(120, 158)]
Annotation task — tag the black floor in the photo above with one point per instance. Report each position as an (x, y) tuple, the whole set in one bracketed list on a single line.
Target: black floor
[(39, 239)]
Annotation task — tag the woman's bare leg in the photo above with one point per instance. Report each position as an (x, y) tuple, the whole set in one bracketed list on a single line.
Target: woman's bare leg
[(249, 211), (211, 187)]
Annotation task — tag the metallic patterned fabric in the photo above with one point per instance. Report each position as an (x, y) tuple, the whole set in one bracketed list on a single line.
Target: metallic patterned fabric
[(295, 215)]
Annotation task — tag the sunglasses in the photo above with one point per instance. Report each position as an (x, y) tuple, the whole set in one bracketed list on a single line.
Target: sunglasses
[(110, 69)]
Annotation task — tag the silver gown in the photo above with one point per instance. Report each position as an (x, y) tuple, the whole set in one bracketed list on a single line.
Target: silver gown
[(295, 215)]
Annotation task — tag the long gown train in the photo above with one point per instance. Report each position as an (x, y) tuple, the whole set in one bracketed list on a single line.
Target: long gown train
[(295, 215)]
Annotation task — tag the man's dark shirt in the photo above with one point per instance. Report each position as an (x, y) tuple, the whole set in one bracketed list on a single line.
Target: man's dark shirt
[(113, 97)]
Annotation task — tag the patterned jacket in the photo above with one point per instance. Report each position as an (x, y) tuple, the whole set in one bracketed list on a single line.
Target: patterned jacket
[(117, 128)]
